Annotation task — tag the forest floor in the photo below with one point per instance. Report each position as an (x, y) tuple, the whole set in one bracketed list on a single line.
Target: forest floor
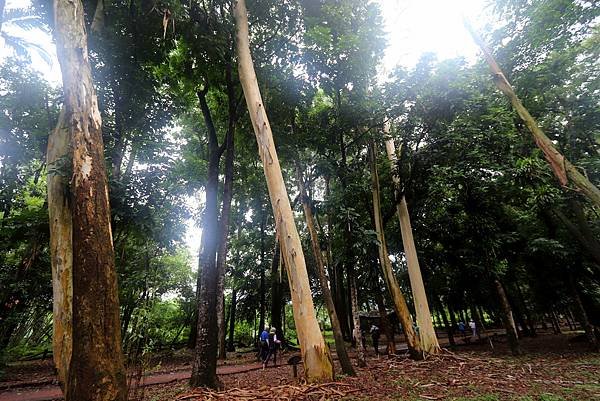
[(553, 368)]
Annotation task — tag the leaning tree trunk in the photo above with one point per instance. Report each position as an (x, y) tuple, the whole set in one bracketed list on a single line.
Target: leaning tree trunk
[(315, 354), (61, 249), (400, 306), (507, 319), (97, 372), (564, 171), (428, 338), (340, 347)]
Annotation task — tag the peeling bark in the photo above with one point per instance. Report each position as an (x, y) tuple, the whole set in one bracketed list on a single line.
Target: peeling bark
[(318, 365), (61, 248), (97, 373)]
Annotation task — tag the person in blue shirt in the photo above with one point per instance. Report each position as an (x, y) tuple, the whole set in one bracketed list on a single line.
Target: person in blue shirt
[(461, 328), (264, 345)]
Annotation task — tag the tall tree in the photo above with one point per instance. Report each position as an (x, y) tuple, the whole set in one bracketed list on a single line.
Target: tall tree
[(427, 334), (400, 306), (315, 354), (97, 373), (563, 169), (204, 367), (340, 347)]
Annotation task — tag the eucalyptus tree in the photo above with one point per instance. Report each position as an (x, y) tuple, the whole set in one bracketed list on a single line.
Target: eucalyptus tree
[(315, 354), (343, 42), (97, 373)]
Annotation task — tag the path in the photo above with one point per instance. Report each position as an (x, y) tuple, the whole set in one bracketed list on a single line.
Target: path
[(53, 392)]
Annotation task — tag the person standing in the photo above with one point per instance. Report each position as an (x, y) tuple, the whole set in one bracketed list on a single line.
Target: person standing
[(473, 327), (375, 337)]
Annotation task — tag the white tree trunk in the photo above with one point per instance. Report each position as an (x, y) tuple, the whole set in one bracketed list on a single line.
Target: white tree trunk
[(427, 334), (318, 365)]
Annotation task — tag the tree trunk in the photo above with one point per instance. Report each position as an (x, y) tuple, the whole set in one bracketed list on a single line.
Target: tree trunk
[(427, 334), (204, 368), (226, 211), (337, 278), (589, 243), (315, 354), (98, 372), (276, 291), (263, 285), (386, 326), (564, 171), (583, 317), (232, 307), (400, 306), (450, 326), (61, 249), (356, 334), (340, 347), (507, 319)]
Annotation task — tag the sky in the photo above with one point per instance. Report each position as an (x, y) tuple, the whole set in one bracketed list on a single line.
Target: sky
[(413, 27)]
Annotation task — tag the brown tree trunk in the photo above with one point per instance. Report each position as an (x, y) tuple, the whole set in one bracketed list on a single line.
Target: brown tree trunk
[(97, 372), (340, 347), (225, 216), (61, 249), (583, 317), (204, 368), (427, 335), (263, 285), (386, 325), (507, 319), (232, 308), (315, 354), (356, 332), (337, 277), (400, 306), (564, 171)]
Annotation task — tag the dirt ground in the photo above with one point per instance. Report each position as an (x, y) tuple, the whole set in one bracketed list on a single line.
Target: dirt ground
[(554, 368)]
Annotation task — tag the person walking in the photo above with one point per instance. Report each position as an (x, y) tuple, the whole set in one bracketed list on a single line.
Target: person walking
[(273, 344), (264, 345), (461, 328)]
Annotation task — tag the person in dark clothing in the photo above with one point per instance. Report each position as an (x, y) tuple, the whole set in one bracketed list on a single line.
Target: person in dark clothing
[(264, 345), (273, 344), (375, 337), (363, 339)]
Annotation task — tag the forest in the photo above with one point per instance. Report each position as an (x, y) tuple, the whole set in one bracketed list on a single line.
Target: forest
[(244, 200)]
